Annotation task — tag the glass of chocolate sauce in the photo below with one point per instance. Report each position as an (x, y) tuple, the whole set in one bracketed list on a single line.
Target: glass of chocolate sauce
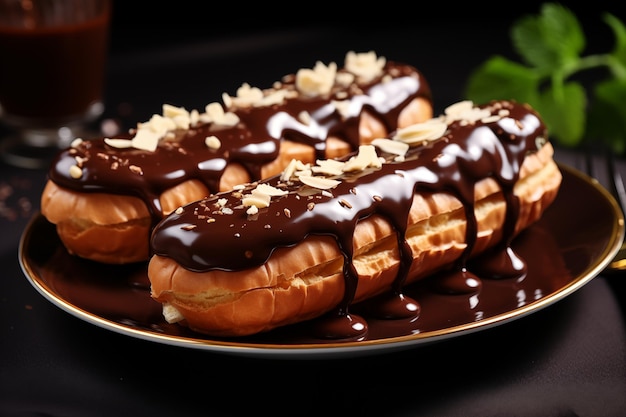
[(53, 55)]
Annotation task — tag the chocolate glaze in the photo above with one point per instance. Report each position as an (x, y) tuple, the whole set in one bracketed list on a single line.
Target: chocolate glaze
[(466, 154), (253, 142)]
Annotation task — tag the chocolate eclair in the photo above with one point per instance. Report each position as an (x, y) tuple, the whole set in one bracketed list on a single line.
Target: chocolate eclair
[(313, 240), (105, 195)]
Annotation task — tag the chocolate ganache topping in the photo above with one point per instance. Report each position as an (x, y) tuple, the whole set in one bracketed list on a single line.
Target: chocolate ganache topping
[(240, 229), (306, 107)]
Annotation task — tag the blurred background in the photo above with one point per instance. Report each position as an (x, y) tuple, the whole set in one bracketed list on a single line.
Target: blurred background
[(262, 42)]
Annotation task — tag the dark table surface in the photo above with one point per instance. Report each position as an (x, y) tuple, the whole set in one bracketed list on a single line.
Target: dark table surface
[(568, 359)]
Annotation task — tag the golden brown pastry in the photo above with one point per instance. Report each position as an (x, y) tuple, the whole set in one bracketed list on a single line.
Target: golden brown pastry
[(319, 237), (105, 195)]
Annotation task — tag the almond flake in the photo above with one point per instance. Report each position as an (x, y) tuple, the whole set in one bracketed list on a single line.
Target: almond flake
[(289, 170), (294, 166), (491, 118), (172, 111), (76, 172), (275, 97), (171, 314), (119, 143), (269, 190), (466, 112), (194, 117), (146, 139), (364, 65), (319, 182), (328, 167), (246, 96), (316, 81), (216, 114), (307, 172), (391, 146), (345, 203), (419, 132), (365, 158), (458, 108), (256, 199)]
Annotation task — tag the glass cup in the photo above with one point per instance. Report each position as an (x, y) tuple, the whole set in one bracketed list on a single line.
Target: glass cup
[(53, 55)]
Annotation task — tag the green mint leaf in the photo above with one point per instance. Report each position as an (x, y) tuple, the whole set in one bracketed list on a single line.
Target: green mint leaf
[(607, 115), (564, 112), (619, 31), (550, 41), (550, 45), (500, 78)]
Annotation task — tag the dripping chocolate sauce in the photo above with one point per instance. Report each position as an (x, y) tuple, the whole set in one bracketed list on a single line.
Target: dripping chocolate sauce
[(466, 154), (121, 293)]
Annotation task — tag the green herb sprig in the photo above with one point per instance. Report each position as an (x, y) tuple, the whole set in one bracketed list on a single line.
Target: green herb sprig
[(551, 45)]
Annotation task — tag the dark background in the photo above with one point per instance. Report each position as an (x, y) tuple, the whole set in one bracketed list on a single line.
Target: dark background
[(443, 41), (152, 24)]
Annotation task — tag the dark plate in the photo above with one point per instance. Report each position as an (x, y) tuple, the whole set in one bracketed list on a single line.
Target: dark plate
[(574, 240)]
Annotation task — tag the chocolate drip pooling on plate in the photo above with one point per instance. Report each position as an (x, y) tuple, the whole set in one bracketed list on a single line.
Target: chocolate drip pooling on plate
[(217, 233), (252, 142)]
